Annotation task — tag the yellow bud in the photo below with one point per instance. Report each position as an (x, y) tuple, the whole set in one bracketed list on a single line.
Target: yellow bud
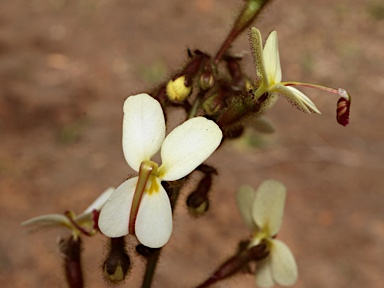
[(176, 89)]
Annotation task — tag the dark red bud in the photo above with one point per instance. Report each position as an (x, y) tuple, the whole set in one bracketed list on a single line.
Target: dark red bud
[(342, 111)]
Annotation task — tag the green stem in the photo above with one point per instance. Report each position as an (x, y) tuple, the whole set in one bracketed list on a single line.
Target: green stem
[(150, 269), (251, 9), (195, 106)]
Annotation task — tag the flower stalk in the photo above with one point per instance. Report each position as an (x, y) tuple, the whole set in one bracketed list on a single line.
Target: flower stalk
[(71, 251), (247, 15), (236, 264)]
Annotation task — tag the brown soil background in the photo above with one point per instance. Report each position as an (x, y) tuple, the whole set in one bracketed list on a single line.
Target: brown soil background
[(66, 68)]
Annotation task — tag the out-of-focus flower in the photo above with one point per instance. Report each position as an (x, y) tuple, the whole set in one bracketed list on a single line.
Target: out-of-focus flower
[(262, 212), (84, 223), (140, 205), (269, 78)]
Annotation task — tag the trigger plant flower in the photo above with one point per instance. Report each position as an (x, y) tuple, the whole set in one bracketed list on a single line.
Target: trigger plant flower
[(84, 223), (262, 212), (140, 206), (269, 76)]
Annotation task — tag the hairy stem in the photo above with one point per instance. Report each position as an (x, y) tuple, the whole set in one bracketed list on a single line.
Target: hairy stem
[(71, 249)]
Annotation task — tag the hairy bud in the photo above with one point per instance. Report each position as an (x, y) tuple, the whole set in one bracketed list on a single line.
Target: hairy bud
[(117, 264)]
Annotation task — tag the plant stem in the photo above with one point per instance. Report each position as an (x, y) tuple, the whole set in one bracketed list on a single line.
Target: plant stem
[(150, 269), (71, 249), (251, 9)]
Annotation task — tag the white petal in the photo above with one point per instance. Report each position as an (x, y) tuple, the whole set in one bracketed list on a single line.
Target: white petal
[(143, 129), (264, 274), (272, 59), (49, 220), (153, 225), (244, 198), (114, 216), (297, 98), (257, 53), (283, 264), (187, 146), (268, 206), (100, 201)]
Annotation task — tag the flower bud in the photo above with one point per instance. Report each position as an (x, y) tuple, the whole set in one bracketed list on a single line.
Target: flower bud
[(117, 264), (212, 105), (206, 80), (177, 90), (197, 205), (197, 201), (343, 107)]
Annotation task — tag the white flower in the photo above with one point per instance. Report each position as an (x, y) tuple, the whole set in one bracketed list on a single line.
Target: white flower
[(262, 212), (140, 205), (82, 223), (269, 74)]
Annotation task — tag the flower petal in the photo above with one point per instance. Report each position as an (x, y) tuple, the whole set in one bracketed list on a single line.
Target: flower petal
[(283, 264), (268, 206), (257, 53), (244, 198), (187, 146), (297, 98), (272, 59), (49, 220), (100, 201), (264, 274), (143, 129), (153, 225), (114, 216)]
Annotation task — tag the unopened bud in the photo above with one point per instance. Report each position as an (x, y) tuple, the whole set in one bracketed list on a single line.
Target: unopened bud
[(343, 107), (206, 80), (212, 105), (177, 90), (197, 205), (117, 264), (197, 201)]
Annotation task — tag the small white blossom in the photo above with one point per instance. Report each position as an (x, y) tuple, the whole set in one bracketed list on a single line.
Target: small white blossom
[(269, 74), (185, 148), (84, 221), (262, 212)]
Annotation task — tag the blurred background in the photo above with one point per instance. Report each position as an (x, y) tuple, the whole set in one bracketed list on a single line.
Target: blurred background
[(66, 68)]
